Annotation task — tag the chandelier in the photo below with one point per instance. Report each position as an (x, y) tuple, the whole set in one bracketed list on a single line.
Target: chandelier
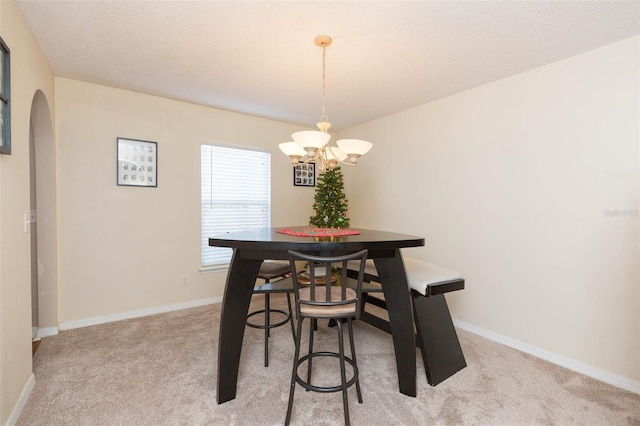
[(313, 145)]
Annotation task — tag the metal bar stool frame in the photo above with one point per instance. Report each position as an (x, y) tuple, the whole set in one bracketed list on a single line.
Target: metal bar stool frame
[(269, 271), (347, 307)]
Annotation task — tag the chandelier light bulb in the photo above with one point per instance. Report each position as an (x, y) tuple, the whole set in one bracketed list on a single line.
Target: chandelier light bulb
[(353, 158)]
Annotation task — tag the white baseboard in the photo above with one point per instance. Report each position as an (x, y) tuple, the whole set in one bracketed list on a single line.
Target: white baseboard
[(587, 370), (17, 409), (46, 332), (69, 325)]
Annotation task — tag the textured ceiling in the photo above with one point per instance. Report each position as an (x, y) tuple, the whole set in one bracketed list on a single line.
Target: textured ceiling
[(259, 57)]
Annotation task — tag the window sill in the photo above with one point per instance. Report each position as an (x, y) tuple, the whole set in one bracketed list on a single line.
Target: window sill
[(214, 268)]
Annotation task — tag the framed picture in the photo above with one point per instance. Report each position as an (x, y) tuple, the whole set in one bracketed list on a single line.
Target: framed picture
[(5, 100), (304, 174), (137, 163)]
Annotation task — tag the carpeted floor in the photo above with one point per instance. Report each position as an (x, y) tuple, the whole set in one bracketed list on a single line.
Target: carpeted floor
[(161, 370)]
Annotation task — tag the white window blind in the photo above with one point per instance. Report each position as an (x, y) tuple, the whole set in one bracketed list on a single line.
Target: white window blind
[(236, 195)]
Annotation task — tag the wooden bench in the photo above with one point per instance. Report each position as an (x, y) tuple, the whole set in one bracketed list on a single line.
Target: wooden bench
[(428, 283)]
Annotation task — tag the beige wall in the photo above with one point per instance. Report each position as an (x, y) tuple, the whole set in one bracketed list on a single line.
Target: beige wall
[(511, 184), (124, 249), (29, 72)]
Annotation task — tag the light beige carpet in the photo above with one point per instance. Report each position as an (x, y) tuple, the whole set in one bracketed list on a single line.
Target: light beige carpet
[(161, 370)]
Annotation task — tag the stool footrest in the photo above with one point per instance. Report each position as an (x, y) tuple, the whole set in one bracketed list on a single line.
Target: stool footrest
[(271, 311), (326, 389)]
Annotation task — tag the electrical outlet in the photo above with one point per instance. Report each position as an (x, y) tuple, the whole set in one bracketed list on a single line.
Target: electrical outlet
[(184, 280)]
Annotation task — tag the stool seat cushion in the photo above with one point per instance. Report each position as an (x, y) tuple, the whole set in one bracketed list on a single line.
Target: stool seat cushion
[(420, 274), (270, 270), (321, 296)]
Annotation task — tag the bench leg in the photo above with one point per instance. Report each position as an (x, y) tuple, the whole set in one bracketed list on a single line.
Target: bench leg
[(441, 351)]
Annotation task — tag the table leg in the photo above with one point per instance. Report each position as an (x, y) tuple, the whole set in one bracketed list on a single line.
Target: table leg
[(396, 292), (241, 279)]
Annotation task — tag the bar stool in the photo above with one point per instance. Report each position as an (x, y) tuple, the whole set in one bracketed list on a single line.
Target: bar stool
[(269, 271), (316, 298)]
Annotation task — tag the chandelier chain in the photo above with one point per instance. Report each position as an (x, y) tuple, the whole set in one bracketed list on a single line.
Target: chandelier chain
[(323, 117)]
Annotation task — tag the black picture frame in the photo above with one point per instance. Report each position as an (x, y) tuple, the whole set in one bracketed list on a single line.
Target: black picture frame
[(5, 98), (304, 174), (137, 163)]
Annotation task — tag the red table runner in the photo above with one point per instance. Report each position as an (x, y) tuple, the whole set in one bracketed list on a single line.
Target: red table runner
[(308, 231)]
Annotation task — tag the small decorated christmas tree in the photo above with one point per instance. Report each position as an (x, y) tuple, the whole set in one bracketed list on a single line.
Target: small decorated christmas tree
[(330, 201)]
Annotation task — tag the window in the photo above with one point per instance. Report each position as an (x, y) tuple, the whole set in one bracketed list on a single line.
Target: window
[(5, 114), (236, 195)]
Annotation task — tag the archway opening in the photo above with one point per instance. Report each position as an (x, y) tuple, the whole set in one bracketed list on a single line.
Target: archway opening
[(44, 287)]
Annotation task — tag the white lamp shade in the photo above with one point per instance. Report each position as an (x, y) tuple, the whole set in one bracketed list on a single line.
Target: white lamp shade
[(332, 152), (311, 139), (292, 149), (354, 146)]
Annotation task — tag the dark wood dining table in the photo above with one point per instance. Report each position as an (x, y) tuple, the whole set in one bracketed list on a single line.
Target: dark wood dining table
[(250, 248)]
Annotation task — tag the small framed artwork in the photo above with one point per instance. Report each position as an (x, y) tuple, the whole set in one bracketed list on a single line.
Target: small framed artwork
[(137, 163), (304, 174)]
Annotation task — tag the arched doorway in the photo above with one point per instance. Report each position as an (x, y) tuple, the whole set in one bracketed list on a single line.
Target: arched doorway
[(44, 289)]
